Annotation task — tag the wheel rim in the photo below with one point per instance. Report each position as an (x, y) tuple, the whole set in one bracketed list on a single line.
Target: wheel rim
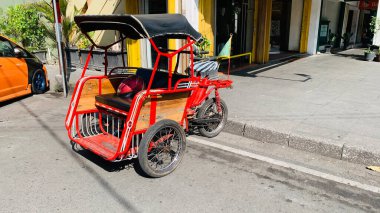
[(212, 112), (39, 81), (164, 149)]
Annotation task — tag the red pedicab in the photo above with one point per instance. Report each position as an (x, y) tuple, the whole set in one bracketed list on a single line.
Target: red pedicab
[(149, 124)]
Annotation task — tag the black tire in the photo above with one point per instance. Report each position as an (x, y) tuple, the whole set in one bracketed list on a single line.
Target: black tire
[(209, 110), (39, 82), (157, 141)]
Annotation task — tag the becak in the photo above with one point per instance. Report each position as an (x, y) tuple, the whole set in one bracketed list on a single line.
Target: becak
[(130, 86)]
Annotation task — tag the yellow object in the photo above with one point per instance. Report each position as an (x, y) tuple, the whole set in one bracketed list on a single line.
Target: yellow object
[(103, 7), (264, 17), (133, 46), (374, 168), (206, 21), (255, 24), (305, 26), (240, 55), (172, 4)]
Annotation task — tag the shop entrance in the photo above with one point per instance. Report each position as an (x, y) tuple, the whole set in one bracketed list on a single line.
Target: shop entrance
[(280, 26), (234, 17), (367, 35)]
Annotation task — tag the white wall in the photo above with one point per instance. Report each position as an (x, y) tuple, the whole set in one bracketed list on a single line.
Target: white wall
[(360, 27), (352, 6), (376, 38), (330, 11), (295, 25), (344, 26), (355, 25), (314, 26), (106, 7), (190, 11)]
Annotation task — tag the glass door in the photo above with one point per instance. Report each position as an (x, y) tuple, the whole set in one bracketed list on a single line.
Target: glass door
[(234, 17)]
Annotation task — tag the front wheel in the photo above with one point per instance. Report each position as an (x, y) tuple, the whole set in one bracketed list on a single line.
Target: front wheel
[(162, 148), (209, 110), (39, 82)]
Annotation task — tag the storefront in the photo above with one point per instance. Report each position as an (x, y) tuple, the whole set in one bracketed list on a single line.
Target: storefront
[(265, 29), (346, 24), (234, 17), (369, 9), (260, 28)]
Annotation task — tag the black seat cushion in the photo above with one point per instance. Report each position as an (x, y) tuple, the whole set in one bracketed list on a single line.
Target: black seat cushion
[(160, 78), (122, 103)]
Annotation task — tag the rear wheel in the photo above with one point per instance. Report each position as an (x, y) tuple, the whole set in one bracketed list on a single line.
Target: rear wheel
[(209, 110), (39, 82), (162, 148)]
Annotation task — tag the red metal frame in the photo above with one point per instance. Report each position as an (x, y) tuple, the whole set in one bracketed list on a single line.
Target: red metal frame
[(199, 89)]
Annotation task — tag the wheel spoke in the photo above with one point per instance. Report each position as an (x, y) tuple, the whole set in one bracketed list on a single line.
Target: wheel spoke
[(211, 112), (166, 146)]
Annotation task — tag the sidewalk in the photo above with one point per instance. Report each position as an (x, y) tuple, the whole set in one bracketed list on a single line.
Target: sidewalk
[(325, 104)]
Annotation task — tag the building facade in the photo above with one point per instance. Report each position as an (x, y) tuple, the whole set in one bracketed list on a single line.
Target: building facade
[(349, 20), (261, 29)]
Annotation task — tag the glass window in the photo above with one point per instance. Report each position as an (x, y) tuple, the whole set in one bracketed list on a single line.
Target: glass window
[(6, 49)]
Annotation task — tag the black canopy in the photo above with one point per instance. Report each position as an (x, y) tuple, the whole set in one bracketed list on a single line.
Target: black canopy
[(140, 26)]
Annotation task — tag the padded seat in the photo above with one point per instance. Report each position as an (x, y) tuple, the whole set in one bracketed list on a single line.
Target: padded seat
[(160, 81), (160, 78), (114, 101), (207, 68)]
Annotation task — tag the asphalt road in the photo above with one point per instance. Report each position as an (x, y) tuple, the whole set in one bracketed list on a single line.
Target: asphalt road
[(41, 173)]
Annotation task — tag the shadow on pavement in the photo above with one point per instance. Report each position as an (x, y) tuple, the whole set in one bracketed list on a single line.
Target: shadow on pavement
[(14, 100), (354, 53), (102, 182), (107, 165), (257, 69), (353, 56), (99, 161)]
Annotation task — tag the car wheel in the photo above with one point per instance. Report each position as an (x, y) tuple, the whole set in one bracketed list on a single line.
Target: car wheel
[(39, 82)]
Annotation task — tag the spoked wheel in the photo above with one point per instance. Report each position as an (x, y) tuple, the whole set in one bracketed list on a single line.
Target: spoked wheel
[(209, 110), (39, 82), (162, 148)]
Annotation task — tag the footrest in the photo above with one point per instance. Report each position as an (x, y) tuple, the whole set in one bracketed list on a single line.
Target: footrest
[(103, 145)]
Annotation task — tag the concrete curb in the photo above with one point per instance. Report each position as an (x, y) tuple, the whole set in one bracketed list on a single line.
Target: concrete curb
[(325, 147)]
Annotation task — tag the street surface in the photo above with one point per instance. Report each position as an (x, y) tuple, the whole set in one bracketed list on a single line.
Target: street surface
[(41, 173)]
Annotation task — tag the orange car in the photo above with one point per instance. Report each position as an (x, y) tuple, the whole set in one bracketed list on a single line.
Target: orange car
[(21, 73)]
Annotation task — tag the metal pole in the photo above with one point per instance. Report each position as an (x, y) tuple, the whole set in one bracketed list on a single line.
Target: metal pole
[(58, 34)]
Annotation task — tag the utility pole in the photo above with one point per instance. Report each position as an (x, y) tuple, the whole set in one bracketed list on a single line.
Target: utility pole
[(58, 35)]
